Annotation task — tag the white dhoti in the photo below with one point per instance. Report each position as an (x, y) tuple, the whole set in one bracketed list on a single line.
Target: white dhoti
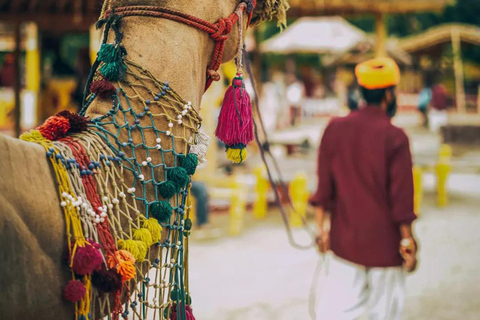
[(349, 291)]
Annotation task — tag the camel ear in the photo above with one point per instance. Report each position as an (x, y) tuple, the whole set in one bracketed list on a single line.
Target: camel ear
[(267, 10)]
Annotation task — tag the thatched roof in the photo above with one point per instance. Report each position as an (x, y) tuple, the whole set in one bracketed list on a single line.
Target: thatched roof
[(433, 38), (335, 7), (62, 15), (317, 35)]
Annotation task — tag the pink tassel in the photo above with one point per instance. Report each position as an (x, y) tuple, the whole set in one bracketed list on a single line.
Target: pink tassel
[(188, 313), (235, 122)]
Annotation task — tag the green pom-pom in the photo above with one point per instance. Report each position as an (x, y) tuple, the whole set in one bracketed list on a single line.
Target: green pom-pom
[(161, 210), (108, 53), (190, 163), (188, 299), (167, 189), (113, 71), (174, 295), (179, 176), (188, 224)]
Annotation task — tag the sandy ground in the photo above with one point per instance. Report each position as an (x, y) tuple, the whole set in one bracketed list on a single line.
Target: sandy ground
[(259, 276)]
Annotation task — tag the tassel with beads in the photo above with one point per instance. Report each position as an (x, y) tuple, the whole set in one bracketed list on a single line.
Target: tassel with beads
[(235, 122)]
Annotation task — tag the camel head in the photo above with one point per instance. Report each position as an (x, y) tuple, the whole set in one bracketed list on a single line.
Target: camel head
[(215, 10)]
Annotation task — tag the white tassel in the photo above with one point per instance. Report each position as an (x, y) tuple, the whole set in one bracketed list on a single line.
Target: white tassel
[(200, 146)]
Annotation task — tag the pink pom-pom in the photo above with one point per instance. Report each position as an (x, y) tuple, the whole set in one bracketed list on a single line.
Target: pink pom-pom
[(188, 312), (74, 291), (235, 122), (87, 259), (54, 128)]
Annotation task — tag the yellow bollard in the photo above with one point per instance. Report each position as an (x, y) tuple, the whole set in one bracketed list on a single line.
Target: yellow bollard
[(418, 189), (261, 190), (299, 195), (237, 207), (445, 152), (442, 169)]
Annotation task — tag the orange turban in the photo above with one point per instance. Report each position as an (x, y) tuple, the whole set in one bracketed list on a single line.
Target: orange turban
[(377, 73)]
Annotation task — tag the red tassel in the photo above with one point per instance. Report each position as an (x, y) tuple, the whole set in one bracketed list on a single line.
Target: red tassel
[(102, 88), (77, 122), (235, 122)]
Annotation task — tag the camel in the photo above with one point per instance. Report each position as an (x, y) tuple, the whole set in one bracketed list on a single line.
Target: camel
[(33, 271)]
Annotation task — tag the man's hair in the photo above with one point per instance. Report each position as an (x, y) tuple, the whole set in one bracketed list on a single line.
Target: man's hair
[(374, 96)]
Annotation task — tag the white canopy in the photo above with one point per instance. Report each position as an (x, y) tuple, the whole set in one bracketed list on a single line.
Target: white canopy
[(315, 35)]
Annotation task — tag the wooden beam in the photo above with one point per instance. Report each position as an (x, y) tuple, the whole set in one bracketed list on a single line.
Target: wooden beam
[(458, 69), (53, 22), (17, 85), (336, 7), (381, 35)]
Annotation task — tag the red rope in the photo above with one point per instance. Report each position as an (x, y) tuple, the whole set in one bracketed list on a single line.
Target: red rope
[(104, 232), (218, 31)]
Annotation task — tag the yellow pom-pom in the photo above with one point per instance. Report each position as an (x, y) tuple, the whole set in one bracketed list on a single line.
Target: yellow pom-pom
[(154, 227), (143, 249), (137, 248), (143, 235), (32, 136), (236, 155)]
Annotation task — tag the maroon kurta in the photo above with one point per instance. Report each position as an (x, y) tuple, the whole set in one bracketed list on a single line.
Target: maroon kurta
[(365, 180)]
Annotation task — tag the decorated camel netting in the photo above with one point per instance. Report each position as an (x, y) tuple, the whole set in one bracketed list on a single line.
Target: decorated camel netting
[(123, 177), (118, 231)]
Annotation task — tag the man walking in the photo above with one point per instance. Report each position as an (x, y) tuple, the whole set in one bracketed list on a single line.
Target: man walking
[(365, 183)]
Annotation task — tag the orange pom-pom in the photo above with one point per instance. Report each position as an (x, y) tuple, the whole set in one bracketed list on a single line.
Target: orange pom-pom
[(126, 269), (125, 264), (54, 128)]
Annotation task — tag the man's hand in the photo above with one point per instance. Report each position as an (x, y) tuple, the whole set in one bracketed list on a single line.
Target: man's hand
[(323, 241), (408, 251)]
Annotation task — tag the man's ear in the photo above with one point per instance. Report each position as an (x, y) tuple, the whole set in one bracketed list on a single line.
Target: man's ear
[(388, 96)]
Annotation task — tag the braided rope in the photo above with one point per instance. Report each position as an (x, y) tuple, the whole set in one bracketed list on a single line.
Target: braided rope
[(218, 31)]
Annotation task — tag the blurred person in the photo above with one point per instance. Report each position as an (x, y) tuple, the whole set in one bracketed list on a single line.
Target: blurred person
[(353, 96), (365, 184), (437, 115), (425, 96), (203, 229), (7, 71), (424, 99), (200, 193), (295, 93)]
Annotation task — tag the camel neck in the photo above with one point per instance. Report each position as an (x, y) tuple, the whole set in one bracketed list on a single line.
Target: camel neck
[(171, 51)]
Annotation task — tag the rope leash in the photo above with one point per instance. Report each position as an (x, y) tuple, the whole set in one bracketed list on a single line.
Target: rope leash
[(258, 123), (321, 261)]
